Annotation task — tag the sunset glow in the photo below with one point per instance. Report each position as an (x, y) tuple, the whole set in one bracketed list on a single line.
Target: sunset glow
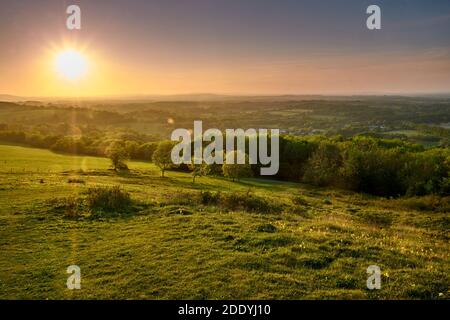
[(71, 64), (307, 47)]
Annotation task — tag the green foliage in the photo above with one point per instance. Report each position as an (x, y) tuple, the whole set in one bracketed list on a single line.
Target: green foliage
[(70, 207), (353, 150), (118, 154), (237, 171), (109, 200), (209, 198), (198, 170), (427, 173), (321, 168), (372, 169), (294, 154), (162, 156), (145, 151)]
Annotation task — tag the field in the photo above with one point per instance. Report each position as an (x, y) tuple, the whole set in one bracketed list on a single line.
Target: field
[(317, 245)]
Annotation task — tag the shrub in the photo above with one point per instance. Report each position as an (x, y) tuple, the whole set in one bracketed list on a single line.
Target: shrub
[(69, 206), (247, 202), (209, 198), (109, 199)]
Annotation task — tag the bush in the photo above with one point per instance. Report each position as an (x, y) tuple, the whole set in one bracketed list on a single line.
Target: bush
[(209, 198), (69, 207), (247, 202), (109, 200), (234, 201)]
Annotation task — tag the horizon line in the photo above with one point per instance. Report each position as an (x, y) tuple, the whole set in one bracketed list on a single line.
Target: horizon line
[(227, 95)]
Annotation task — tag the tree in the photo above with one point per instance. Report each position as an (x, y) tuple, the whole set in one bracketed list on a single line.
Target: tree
[(132, 148), (370, 167), (162, 156), (236, 171), (323, 166), (118, 155), (198, 170), (145, 151)]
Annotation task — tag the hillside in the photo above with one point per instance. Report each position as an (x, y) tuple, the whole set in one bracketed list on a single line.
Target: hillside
[(312, 243)]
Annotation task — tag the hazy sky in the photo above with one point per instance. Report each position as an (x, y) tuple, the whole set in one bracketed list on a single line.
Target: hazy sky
[(227, 46)]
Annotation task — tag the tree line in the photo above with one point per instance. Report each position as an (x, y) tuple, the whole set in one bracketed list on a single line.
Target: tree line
[(383, 167)]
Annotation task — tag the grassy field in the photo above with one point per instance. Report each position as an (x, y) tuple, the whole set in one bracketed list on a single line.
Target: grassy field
[(317, 245)]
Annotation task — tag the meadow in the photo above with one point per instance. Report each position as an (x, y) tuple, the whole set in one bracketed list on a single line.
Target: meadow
[(315, 244)]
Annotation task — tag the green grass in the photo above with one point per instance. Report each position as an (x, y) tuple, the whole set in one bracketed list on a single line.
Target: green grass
[(318, 246)]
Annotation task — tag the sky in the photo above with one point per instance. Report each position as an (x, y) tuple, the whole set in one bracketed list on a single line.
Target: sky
[(138, 47)]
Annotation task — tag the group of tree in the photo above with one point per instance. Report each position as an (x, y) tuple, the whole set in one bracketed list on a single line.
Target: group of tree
[(87, 141), (376, 166), (385, 167)]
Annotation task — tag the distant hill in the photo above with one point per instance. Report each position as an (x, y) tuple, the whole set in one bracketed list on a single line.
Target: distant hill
[(211, 97), (8, 97)]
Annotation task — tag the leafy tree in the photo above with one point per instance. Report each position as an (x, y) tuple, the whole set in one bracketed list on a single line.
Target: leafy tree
[(132, 148), (373, 169), (427, 173), (118, 155), (294, 154), (198, 170), (162, 156), (145, 151), (323, 166), (237, 171)]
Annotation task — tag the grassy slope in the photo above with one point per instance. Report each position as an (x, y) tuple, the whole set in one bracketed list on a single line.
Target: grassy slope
[(320, 251)]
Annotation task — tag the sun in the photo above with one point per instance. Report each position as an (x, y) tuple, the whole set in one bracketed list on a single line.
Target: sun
[(71, 64)]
